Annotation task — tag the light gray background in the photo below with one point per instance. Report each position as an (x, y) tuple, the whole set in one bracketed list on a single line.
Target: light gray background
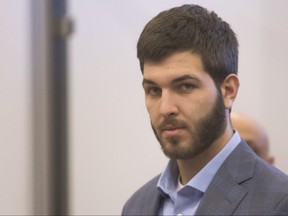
[(15, 109), (112, 147)]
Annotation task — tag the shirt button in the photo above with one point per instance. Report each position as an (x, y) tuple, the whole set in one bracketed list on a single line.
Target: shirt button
[(179, 214)]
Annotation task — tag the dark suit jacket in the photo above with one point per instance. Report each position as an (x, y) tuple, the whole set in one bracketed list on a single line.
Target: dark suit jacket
[(244, 185)]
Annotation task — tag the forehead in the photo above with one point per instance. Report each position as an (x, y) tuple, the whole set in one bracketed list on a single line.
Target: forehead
[(176, 65)]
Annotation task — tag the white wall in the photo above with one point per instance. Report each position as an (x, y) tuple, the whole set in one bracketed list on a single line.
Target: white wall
[(15, 116), (113, 149)]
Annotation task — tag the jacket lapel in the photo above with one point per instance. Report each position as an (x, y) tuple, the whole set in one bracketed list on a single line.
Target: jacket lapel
[(151, 202), (225, 192), (153, 208)]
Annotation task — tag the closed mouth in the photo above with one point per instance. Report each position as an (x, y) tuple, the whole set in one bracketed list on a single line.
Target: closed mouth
[(171, 127)]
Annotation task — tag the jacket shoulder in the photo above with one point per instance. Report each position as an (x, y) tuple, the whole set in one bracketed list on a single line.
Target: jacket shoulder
[(267, 187), (144, 201)]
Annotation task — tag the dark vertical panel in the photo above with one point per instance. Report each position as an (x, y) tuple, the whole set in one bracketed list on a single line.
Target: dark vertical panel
[(59, 162), (50, 29)]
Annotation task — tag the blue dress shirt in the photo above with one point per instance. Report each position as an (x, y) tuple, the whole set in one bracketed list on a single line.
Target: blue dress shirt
[(184, 200)]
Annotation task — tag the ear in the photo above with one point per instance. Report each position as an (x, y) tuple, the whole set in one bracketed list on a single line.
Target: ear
[(229, 90)]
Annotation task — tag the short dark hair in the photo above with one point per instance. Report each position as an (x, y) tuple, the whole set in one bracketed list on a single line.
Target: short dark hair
[(191, 27)]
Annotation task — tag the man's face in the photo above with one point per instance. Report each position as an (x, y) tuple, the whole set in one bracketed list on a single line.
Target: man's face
[(186, 109)]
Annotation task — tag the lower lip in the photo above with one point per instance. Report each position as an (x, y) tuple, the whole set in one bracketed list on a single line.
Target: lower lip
[(174, 132)]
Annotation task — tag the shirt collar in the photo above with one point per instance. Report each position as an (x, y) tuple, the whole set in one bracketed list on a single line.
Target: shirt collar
[(167, 183)]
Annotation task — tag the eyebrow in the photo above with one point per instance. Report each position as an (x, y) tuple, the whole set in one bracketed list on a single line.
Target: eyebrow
[(177, 80), (147, 81), (184, 77)]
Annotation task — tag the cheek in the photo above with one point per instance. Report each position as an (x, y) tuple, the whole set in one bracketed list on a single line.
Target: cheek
[(150, 108), (148, 105), (153, 111), (203, 102), (198, 108)]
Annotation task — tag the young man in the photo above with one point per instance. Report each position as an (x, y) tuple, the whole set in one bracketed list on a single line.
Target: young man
[(189, 60)]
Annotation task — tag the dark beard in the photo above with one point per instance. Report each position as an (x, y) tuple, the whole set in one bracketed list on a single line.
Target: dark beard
[(208, 129)]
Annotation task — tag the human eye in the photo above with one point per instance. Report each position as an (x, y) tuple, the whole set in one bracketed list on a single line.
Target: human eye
[(152, 91), (186, 87)]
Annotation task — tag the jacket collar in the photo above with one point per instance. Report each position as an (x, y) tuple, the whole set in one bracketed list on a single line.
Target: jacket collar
[(225, 191)]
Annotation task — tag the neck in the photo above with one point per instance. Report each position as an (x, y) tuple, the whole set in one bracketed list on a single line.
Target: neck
[(190, 167)]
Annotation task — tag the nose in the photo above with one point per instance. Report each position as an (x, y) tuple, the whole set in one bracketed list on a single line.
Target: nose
[(168, 105)]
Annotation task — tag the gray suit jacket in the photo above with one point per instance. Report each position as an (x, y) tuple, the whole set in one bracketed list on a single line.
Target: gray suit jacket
[(244, 185)]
